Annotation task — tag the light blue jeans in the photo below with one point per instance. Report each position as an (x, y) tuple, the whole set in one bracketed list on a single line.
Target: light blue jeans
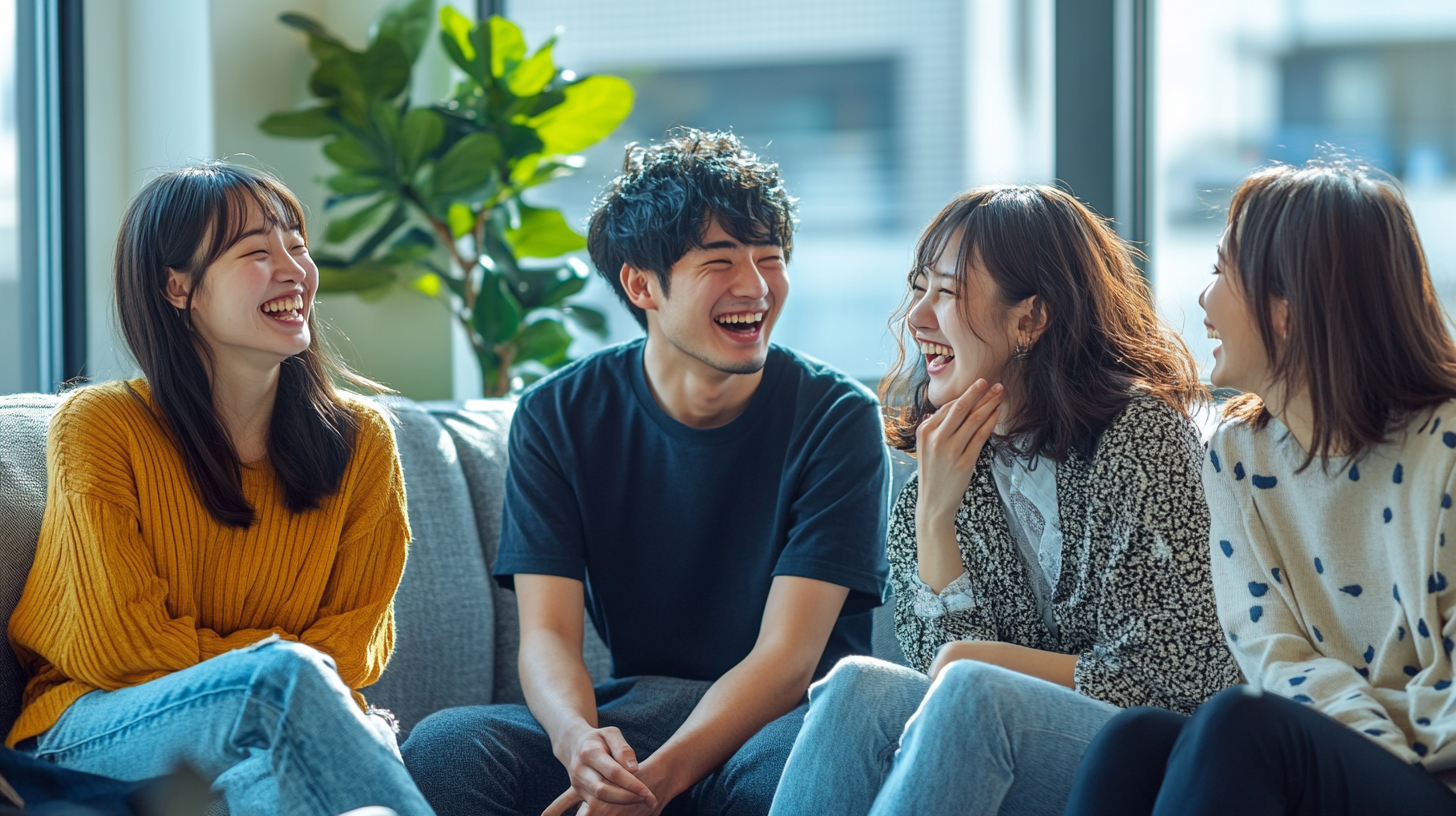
[(882, 739), (272, 725)]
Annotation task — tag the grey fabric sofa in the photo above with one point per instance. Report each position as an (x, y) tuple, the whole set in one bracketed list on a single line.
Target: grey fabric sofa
[(457, 631)]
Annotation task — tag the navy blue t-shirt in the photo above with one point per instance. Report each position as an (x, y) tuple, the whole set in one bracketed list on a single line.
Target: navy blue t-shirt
[(678, 532)]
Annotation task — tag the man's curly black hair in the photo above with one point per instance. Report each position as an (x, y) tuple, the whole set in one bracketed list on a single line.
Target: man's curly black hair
[(669, 194)]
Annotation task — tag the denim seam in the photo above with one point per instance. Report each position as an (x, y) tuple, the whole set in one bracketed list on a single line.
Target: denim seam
[(189, 702), (311, 783)]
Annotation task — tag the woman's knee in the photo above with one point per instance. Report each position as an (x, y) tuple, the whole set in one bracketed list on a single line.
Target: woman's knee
[(1137, 731), (975, 682), (1237, 713), (284, 668), (863, 696), (862, 682)]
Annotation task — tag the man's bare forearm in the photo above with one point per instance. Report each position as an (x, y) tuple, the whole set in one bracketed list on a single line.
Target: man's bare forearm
[(768, 683), (557, 687), (750, 696)]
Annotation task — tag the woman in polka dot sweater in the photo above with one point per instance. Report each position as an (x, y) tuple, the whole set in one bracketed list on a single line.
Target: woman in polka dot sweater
[(1329, 487)]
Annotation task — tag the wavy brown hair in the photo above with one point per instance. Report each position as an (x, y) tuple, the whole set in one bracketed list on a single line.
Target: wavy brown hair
[(186, 220), (1103, 341), (1366, 336)]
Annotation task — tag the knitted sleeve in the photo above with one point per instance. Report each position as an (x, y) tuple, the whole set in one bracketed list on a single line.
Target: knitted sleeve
[(355, 622)]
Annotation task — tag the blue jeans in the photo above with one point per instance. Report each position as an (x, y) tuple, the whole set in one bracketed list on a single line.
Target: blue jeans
[(496, 760), (882, 739), (272, 725)]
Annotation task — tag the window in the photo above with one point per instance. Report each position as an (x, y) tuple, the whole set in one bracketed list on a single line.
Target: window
[(13, 341), (867, 107), (1242, 83)]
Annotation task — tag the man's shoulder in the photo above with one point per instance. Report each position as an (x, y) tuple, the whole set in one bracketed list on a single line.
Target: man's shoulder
[(816, 382), (609, 368)]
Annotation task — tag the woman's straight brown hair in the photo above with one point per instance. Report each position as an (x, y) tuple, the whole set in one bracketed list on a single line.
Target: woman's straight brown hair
[(185, 220), (1366, 335), (1103, 341)]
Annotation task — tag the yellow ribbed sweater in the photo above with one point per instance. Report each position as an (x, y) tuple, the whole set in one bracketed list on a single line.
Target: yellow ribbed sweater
[(133, 579)]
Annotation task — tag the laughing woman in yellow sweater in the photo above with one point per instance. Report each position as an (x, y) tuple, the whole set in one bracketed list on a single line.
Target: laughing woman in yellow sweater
[(223, 538)]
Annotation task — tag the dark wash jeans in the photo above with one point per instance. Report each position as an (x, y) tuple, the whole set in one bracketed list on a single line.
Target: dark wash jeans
[(1251, 754), (497, 759)]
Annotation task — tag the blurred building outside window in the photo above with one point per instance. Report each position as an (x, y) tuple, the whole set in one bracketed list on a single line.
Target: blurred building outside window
[(1243, 83), (878, 114)]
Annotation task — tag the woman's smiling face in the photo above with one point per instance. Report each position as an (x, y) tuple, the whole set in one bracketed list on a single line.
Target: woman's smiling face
[(955, 356), (1240, 360), (255, 300)]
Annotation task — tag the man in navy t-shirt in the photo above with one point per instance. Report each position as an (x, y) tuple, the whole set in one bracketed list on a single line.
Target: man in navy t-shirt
[(716, 503)]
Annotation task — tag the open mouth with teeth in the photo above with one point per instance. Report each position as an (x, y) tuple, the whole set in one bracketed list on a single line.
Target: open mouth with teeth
[(741, 325), (286, 309), (937, 356)]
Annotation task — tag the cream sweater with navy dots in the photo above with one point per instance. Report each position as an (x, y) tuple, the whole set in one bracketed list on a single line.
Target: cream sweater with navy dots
[(1332, 584)]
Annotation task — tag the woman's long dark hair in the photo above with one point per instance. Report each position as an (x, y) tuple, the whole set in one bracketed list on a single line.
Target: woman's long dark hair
[(185, 220), (1366, 335), (1103, 341)]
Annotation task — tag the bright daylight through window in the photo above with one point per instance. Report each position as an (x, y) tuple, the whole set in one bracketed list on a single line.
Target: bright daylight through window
[(11, 341), (1242, 83)]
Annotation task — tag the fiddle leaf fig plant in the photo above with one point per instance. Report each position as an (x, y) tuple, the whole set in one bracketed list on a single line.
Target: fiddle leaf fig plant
[(428, 193)]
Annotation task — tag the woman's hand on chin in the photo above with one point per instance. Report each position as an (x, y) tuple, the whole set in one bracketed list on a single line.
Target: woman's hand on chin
[(947, 445)]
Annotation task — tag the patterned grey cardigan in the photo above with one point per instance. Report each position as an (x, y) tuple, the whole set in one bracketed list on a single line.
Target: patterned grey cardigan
[(1134, 600)]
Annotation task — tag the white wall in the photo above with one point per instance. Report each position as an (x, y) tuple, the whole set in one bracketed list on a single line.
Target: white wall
[(148, 107), (172, 81)]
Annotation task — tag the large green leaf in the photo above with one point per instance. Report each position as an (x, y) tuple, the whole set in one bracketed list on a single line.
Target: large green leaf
[(543, 233), (342, 229), (419, 133), (354, 183), (389, 227), (462, 42), (384, 69), (310, 123), (385, 116), (356, 278), (497, 313), (460, 218), (594, 107), (407, 22), (415, 243), (588, 318), (521, 141), (545, 340), (467, 164), (313, 28), (351, 154), (338, 79), (568, 280), (528, 78), (507, 45)]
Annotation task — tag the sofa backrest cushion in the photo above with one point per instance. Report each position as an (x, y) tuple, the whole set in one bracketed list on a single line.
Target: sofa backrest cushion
[(480, 430), (444, 614), (24, 419)]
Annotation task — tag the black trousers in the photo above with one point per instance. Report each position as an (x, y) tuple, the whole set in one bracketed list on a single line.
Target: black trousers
[(1250, 754)]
